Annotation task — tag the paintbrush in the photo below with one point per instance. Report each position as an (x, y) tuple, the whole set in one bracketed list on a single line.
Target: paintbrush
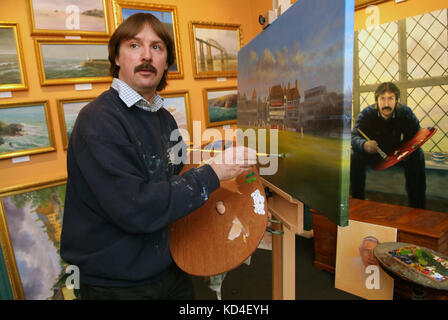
[(278, 155), (382, 154)]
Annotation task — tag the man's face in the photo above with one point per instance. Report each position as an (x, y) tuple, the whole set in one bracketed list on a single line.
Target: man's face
[(142, 62), (367, 256), (386, 104)]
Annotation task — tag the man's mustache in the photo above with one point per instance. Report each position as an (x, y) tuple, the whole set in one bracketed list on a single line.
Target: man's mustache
[(385, 108), (145, 67)]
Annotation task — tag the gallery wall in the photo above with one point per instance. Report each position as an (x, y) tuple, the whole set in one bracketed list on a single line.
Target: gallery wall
[(51, 165)]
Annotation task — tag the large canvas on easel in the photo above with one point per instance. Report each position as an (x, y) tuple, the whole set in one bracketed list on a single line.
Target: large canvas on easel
[(296, 76)]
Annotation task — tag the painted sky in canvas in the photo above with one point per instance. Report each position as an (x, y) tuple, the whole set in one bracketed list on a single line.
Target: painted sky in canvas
[(305, 45)]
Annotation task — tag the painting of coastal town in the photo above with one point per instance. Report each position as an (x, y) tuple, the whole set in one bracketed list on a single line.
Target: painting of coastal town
[(167, 15), (11, 73), (24, 129), (73, 62), (220, 106), (56, 16), (34, 223), (296, 77), (68, 112)]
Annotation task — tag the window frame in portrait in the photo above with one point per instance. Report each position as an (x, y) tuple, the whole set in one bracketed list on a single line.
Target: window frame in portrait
[(186, 95), (44, 81), (35, 31), (205, 94), (6, 245), (26, 152), (193, 26), (23, 84), (118, 7), (62, 116)]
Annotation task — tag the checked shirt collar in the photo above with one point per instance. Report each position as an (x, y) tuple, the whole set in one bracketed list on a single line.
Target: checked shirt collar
[(131, 97)]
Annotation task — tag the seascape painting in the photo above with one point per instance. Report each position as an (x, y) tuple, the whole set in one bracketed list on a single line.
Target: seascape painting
[(68, 15), (34, 221), (71, 62), (215, 49), (221, 106), (23, 128), (68, 112), (9, 60), (178, 106), (297, 77)]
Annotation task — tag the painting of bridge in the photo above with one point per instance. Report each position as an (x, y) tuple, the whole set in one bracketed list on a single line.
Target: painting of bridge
[(215, 49)]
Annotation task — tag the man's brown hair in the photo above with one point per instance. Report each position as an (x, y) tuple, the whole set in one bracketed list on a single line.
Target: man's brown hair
[(387, 87), (128, 29)]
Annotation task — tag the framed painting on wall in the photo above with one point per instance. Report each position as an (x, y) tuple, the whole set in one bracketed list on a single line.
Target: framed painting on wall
[(25, 129), (220, 105), (12, 68), (31, 224), (69, 17), (167, 15), (214, 49), (76, 61), (68, 111), (178, 104)]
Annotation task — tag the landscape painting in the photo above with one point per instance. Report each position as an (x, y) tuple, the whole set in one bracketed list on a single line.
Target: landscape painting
[(215, 49), (32, 223), (178, 104), (12, 75), (296, 77), (25, 129), (167, 15), (69, 17), (72, 62), (68, 112), (220, 106)]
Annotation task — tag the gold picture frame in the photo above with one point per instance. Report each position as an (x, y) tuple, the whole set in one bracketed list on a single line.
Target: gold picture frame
[(165, 13), (178, 104), (26, 198), (47, 17), (221, 42), (67, 116), (73, 61), (220, 105), (12, 70), (23, 123)]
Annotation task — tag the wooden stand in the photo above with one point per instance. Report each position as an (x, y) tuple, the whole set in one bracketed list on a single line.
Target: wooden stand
[(417, 226), (289, 212)]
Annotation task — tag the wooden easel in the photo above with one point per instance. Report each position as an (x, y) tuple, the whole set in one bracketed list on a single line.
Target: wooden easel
[(289, 214)]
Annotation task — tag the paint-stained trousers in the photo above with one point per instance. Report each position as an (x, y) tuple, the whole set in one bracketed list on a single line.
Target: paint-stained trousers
[(173, 285), (414, 172)]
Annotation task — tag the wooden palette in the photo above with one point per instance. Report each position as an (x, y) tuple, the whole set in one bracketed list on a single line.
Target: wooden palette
[(406, 149), (205, 242)]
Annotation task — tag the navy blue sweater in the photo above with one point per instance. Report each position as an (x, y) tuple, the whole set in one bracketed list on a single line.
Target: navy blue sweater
[(390, 133), (123, 192)]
